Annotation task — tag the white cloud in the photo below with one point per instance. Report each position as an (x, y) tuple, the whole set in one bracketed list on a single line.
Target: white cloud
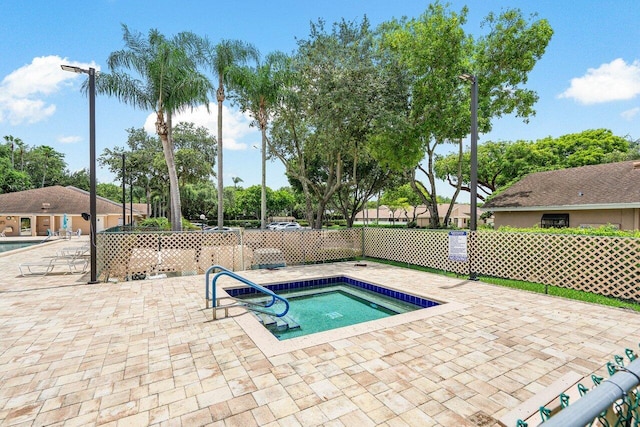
[(69, 139), (235, 125), (614, 81), (630, 114), (23, 91)]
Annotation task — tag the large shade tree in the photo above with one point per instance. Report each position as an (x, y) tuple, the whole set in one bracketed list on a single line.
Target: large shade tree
[(164, 79), (12, 179), (146, 169), (336, 99), (435, 50), (45, 165)]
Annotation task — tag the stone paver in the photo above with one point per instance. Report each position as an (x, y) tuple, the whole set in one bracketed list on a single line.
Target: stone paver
[(147, 353)]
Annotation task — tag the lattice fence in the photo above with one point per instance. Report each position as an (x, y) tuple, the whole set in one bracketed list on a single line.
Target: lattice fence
[(603, 265), (426, 248), (140, 255)]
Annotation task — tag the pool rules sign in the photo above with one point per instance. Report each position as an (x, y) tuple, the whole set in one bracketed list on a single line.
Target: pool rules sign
[(458, 246)]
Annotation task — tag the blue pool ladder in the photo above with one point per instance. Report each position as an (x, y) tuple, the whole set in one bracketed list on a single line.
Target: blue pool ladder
[(210, 295)]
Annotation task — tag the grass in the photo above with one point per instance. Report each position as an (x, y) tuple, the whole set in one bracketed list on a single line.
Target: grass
[(531, 287)]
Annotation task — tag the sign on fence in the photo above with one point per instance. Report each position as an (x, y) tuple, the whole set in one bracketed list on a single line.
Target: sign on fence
[(458, 246)]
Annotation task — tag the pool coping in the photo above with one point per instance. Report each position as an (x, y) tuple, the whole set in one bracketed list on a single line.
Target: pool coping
[(270, 346)]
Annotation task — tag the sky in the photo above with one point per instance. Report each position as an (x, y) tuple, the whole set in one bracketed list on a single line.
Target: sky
[(588, 78)]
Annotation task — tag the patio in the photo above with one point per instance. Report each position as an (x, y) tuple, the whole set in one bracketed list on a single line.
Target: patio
[(147, 353)]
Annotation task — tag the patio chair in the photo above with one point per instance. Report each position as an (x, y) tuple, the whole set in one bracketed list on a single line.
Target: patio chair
[(2, 234), (74, 263)]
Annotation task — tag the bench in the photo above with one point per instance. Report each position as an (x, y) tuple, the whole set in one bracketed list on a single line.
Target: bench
[(148, 262), (268, 258)]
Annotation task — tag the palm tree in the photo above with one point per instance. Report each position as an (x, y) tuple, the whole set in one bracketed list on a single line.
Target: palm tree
[(221, 58), (236, 180), (11, 141), (21, 147), (258, 91), (167, 81)]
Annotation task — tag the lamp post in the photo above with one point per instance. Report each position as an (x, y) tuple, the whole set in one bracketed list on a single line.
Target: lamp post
[(124, 200), (473, 224), (92, 163)]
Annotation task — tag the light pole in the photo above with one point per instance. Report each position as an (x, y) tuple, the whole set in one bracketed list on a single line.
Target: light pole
[(124, 200), (92, 163), (473, 224)]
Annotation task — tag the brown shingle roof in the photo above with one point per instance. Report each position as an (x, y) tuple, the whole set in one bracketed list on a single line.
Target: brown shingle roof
[(606, 184), (60, 200)]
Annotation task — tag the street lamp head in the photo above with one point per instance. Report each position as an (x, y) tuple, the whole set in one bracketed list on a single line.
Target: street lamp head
[(467, 77), (74, 69)]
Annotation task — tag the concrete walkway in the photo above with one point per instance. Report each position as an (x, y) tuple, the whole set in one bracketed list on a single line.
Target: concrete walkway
[(147, 353)]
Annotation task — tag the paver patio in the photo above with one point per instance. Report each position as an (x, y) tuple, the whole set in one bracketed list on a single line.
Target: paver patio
[(148, 353)]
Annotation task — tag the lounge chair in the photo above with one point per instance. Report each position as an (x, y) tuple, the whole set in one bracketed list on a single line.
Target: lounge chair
[(74, 262), (73, 251)]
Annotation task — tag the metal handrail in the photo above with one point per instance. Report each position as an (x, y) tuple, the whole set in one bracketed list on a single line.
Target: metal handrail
[(589, 406), (225, 272)]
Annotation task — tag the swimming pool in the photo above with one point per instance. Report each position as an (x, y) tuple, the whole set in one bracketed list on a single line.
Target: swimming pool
[(324, 304), (9, 246)]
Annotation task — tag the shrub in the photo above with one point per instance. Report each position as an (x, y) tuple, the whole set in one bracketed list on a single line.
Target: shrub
[(605, 230), (161, 223)]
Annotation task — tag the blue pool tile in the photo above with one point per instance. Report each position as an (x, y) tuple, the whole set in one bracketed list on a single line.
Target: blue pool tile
[(419, 301)]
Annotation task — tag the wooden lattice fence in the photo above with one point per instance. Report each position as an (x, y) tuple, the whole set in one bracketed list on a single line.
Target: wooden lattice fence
[(426, 248), (139, 255), (603, 265)]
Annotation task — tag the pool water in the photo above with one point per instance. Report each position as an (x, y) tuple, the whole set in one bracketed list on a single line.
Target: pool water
[(9, 246), (330, 305)]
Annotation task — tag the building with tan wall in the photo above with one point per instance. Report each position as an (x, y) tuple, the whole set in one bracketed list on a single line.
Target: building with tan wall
[(40, 211), (460, 215), (587, 196)]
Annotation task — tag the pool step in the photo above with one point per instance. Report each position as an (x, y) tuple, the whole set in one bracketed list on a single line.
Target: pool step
[(278, 323)]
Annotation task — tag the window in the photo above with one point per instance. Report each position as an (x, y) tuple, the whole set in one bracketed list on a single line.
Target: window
[(554, 220)]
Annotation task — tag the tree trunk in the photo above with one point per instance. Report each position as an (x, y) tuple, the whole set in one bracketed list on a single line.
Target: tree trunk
[(163, 130), (435, 215), (148, 195), (457, 192), (220, 98), (263, 193)]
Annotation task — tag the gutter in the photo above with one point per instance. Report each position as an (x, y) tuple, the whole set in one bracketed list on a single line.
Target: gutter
[(593, 206)]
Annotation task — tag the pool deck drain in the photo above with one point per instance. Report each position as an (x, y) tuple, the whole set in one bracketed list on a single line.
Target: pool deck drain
[(148, 353)]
